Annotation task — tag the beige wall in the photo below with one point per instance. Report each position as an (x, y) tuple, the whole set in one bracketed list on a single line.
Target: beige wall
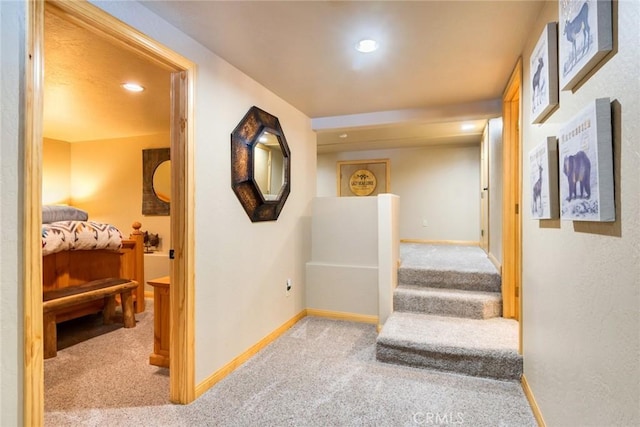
[(104, 178), (12, 17), (56, 172), (106, 181), (440, 184), (581, 292), (495, 188), (241, 267)]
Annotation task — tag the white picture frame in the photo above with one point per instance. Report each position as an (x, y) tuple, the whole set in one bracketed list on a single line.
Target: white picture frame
[(585, 37), (544, 74), (585, 148), (543, 163)]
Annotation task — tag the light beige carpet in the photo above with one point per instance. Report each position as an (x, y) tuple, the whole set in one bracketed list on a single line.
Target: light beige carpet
[(319, 373)]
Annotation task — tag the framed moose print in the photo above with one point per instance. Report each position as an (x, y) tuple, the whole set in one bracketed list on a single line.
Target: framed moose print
[(586, 158), (544, 74), (543, 163), (585, 37)]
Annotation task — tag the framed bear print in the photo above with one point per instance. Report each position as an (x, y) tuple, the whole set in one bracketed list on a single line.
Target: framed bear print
[(586, 161)]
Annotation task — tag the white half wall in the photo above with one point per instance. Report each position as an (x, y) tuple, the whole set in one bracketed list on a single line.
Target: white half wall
[(439, 185), (343, 272), (388, 253), (355, 249), (581, 281)]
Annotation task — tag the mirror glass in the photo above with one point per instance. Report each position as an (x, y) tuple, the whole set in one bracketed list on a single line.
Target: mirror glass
[(268, 165), (162, 181)]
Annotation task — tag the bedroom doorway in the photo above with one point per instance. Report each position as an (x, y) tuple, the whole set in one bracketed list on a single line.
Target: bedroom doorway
[(182, 378)]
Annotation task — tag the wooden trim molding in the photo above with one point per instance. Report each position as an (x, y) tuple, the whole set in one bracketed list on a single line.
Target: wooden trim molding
[(443, 242), (532, 402), (33, 375), (181, 293), (339, 315), (94, 19), (511, 204), (247, 354)]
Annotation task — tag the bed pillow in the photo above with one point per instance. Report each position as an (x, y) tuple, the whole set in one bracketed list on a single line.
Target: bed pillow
[(54, 213)]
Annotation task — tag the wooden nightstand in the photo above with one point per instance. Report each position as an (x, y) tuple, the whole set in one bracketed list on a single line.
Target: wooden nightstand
[(160, 355)]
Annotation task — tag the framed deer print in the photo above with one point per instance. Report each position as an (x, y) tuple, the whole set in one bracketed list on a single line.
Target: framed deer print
[(585, 37), (544, 74), (586, 160), (543, 163)]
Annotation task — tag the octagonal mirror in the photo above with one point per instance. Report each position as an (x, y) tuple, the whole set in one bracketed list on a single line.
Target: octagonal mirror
[(260, 165)]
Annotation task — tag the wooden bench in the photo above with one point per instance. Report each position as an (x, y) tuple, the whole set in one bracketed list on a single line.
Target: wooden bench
[(58, 300)]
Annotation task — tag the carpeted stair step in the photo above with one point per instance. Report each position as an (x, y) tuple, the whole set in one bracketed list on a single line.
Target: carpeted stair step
[(447, 302), (482, 281), (482, 348)]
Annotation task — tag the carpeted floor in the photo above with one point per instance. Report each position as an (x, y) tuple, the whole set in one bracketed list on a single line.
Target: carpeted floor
[(319, 373), (445, 257)]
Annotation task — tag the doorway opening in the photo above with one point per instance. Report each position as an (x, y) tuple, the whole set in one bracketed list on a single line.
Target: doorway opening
[(182, 378)]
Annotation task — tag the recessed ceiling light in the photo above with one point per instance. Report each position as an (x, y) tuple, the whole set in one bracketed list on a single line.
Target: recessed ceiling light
[(132, 87), (366, 46), (468, 126), (343, 135), (263, 139)]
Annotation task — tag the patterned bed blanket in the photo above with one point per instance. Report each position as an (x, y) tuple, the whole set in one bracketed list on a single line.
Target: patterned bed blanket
[(79, 235)]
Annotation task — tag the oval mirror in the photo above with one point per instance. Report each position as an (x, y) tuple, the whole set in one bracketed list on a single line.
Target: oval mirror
[(162, 181)]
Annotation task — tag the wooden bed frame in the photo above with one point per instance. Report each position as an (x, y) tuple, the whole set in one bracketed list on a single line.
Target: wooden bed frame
[(73, 268)]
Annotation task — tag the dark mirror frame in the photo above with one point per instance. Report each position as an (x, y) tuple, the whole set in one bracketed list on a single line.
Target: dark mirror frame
[(243, 140), (151, 159)]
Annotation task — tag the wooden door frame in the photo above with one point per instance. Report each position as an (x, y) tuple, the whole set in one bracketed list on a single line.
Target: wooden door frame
[(182, 372), (512, 195)]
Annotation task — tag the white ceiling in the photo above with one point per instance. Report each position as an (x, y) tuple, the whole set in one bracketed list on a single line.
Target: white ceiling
[(440, 63)]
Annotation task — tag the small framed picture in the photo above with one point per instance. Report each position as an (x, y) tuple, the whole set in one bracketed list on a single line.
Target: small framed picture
[(544, 74), (586, 158), (543, 163), (586, 36), (363, 177)]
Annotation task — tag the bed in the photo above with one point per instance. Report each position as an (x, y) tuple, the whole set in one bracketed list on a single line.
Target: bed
[(77, 251)]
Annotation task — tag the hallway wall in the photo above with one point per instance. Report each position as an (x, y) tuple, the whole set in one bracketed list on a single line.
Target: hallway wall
[(438, 184), (580, 280), (495, 188), (12, 17), (241, 268)]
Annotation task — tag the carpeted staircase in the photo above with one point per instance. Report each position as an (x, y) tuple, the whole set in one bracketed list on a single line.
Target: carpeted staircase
[(447, 309)]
